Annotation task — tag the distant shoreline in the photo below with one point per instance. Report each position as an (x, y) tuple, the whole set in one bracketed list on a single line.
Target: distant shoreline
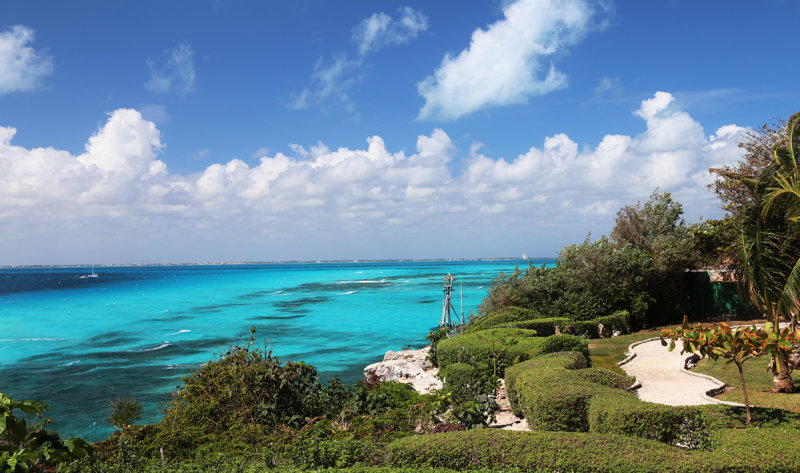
[(247, 263)]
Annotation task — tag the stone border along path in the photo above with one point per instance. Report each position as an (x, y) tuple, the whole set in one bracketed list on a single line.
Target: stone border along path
[(661, 376)]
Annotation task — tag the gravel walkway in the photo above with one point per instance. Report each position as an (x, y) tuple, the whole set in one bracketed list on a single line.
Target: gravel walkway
[(663, 378)]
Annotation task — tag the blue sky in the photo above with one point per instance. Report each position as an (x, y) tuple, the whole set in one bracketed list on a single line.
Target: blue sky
[(243, 131)]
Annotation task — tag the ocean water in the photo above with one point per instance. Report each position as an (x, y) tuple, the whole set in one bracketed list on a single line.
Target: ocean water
[(79, 343)]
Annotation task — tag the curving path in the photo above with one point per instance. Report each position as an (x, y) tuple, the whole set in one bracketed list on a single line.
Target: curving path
[(663, 378)]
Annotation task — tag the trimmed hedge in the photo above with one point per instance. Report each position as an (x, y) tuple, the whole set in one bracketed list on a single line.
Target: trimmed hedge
[(492, 351), (685, 426), (489, 351), (735, 451), (532, 451), (558, 393), (583, 328), (620, 321), (519, 380), (544, 327), (509, 314), (553, 392)]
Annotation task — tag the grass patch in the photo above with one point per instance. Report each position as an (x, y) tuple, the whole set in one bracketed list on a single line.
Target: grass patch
[(607, 352), (759, 382)]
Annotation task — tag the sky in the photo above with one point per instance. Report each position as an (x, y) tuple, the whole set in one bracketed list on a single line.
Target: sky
[(226, 130)]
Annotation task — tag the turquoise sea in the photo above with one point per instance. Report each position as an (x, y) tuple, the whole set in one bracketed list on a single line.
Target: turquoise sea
[(78, 343)]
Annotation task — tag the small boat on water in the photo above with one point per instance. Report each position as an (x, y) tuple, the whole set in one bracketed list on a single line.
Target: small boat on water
[(90, 275)]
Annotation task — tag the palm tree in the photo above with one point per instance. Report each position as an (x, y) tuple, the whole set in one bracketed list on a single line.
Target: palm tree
[(769, 243)]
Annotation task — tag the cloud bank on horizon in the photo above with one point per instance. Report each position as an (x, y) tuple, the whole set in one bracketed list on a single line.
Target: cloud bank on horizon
[(119, 180), (516, 126)]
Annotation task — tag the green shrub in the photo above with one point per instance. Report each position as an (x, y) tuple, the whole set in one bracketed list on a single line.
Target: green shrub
[(489, 351), (554, 392), (735, 451), (534, 451), (463, 382), (343, 453), (606, 377), (619, 320), (504, 316), (523, 380), (544, 327), (124, 412), (26, 444), (434, 337), (588, 328), (558, 392), (676, 425), (560, 343), (385, 396)]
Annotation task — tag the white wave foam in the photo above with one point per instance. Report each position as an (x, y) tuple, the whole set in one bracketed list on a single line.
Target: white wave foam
[(72, 362), (179, 332), (30, 339), (346, 293), (481, 287), (371, 281), (277, 292), (163, 345)]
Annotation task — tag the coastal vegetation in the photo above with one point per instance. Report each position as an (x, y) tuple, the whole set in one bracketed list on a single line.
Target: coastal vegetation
[(545, 331)]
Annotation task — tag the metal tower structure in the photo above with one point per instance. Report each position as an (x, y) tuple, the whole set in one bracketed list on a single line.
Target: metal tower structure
[(447, 306)]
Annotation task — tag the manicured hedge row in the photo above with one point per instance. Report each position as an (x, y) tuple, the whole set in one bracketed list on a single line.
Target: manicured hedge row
[(488, 350), (532, 451), (618, 321), (686, 426), (553, 392), (544, 327), (504, 316), (558, 393), (735, 451), (492, 351)]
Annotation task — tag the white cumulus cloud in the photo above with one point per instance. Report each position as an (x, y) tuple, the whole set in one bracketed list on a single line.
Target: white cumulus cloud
[(173, 72), (120, 196), (21, 67), (508, 62)]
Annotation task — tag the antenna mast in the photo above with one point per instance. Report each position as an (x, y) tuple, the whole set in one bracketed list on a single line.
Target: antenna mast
[(447, 306)]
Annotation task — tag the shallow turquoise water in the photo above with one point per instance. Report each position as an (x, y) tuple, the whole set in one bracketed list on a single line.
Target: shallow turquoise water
[(78, 343)]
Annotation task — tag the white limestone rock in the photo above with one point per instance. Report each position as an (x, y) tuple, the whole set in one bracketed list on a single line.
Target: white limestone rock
[(406, 366)]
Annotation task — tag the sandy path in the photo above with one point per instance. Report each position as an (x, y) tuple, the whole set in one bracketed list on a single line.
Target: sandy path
[(663, 377)]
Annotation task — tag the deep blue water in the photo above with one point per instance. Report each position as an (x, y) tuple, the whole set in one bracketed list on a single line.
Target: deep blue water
[(79, 343)]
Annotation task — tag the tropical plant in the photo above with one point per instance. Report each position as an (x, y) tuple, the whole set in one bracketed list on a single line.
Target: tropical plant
[(26, 446), (124, 412), (769, 242), (720, 341)]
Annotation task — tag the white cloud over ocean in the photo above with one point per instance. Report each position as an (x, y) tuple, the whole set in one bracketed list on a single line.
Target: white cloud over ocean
[(22, 67), (362, 197), (510, 61)]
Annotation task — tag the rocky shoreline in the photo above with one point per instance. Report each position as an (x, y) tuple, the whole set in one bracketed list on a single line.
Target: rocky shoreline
[(406, 366), (413, 367)]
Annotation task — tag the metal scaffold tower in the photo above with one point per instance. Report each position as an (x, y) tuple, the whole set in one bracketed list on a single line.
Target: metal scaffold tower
[(447, 307)]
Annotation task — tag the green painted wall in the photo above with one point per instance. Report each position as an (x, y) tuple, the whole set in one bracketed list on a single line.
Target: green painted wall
[(717, 298)]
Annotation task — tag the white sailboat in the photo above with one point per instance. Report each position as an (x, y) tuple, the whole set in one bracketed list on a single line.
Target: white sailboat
[(90, 275)]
